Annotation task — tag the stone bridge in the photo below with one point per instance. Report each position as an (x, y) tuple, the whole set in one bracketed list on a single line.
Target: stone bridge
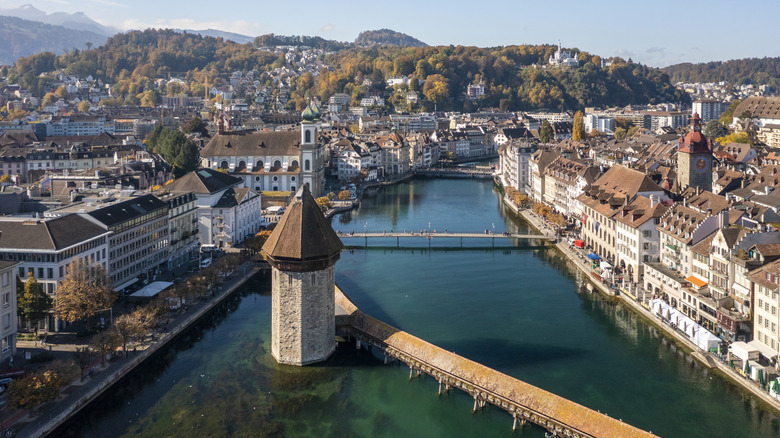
[(524, 402)]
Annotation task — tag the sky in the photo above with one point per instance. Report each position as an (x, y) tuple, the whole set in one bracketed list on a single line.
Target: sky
[(654, 32)]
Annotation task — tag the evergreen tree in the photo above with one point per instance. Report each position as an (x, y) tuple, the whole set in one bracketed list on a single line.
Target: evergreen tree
[(545, 132), (33, 304)]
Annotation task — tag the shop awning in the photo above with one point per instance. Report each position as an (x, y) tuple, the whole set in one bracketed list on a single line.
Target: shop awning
[(696, 281), (763, 349), (152, 289), (605, 265), (126, 284), (593, 256)]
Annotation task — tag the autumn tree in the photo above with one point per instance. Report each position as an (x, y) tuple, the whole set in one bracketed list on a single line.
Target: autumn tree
[(323, 202), (103, 343), (83, 357), (83, 106), (33, 304), (578, 132), (85, 291), (256, 242), (49, 99), (5, 178), (62, 92), (545, 132), (34, 390), (129, 327), (345, 194)]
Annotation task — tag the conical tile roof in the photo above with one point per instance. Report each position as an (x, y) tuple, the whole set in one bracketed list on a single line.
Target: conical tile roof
[(303, 240)]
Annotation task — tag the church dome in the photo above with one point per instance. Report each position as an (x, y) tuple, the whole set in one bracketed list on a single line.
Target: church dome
[(312, 112)]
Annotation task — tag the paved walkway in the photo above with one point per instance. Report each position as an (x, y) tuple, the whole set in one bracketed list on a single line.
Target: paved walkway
[(79, 393)]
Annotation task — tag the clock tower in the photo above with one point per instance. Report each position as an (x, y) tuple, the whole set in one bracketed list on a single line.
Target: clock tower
[(694, 158)]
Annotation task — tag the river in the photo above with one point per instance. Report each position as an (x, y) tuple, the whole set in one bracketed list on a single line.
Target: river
[(519, 309)]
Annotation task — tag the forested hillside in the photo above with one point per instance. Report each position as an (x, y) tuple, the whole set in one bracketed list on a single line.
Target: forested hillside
[(387, 36), (23, 38), (756, 71), (131, 61)]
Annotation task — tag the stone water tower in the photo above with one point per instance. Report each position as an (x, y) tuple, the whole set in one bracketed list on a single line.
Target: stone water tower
[(303, 250)]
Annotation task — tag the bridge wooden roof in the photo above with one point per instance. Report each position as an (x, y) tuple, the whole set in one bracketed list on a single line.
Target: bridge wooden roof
[(562, 410)]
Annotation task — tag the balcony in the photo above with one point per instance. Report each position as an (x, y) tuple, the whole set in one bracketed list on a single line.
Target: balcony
[(221, 225), (219, 218)]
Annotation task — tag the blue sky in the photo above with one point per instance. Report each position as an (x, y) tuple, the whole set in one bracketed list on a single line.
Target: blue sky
[(654, 32)]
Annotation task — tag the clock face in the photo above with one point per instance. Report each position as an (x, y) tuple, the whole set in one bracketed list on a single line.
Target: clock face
[(701, 163)]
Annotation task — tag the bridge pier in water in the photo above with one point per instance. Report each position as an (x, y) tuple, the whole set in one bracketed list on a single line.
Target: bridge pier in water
[(525, 403)]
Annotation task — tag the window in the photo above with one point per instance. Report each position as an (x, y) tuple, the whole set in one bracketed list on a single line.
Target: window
[(49, 273), (7, 321), (257, 178), (6, 279), (292, 178), (294, 163), (277, 164), (306, 165), (40, 272), (21, 273), (308, 136), (6, 299), (224, 164), (260, 164)]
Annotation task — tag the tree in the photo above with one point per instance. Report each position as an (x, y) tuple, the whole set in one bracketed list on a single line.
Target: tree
[(83, 106), (195, 125), (5, 178), (33, 303), (727, 118), (620, 133), (42, 386), (49, 99), (85, 291), (578, 129), (714, 129), (545, 132), (103, 343), (323, 202), (129, 327), (734, 137), (62, 92), (83, 357), (181, 153), (345, 194), (256, 242)]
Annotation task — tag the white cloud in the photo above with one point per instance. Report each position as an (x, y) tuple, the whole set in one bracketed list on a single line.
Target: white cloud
[(110, 3), (328, 28), (237, 26)]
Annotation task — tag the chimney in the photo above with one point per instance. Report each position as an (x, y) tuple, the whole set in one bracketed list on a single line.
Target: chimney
[(723, 219), (653, 201), (767, 189), (698, 190)]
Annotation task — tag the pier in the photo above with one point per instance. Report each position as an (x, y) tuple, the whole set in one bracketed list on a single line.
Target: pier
[(524, 402)]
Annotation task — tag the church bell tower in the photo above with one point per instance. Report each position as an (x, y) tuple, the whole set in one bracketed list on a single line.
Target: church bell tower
[(312, 154), (303, 250)]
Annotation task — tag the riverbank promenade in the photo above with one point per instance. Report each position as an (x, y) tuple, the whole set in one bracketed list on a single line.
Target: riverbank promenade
[(80, 393)]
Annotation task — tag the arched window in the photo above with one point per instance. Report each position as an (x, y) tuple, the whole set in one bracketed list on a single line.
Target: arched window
[(224, 164), (306, 165), (294, 163), (242, 164), (260, 164), (277, 163), (308, 136)]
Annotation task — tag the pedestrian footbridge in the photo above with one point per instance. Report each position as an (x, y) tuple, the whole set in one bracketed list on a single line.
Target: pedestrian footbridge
[(524, 402), (350, 238)]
